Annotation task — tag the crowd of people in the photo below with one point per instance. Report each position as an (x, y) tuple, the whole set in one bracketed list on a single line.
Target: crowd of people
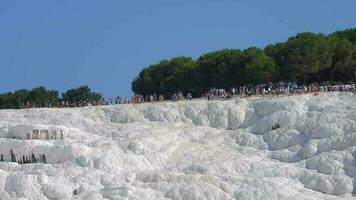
[(158, 98), (135, 99), (277, 89), (282, 88), (68, 104)]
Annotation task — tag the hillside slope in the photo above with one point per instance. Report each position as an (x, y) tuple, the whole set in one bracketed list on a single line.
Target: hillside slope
[(300, 147)]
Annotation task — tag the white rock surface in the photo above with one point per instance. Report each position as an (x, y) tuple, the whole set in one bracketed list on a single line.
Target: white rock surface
[(299, 147)]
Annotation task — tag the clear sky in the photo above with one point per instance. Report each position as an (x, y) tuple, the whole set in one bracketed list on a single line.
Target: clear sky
[(105, 43)]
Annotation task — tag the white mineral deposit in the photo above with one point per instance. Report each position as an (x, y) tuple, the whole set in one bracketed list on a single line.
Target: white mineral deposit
[(298, 147)]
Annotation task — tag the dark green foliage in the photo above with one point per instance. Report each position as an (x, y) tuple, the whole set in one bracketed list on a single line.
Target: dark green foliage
[(302, 57), (8, 100), (349, 34), (41, 97), (81, 93), (167, 77), (258, 67), (306, 57), (219, 69), (343, 60)]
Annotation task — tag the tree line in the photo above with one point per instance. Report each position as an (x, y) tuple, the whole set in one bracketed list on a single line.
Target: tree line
[(42, 97), (304, 58)]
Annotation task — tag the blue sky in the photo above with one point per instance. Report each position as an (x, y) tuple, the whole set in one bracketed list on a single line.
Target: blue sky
[(104, 44)]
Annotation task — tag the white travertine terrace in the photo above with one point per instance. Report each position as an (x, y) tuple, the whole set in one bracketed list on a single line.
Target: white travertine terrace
[(298, 147), (38, 132)]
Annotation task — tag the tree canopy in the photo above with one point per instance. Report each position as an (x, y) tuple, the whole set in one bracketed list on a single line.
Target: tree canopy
[(306, 57), (38, 96), (349, 34), (218, 69), (166, 76), (41, 97), (82, 93)]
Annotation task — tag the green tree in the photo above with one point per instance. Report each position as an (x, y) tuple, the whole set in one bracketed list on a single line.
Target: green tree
[(144, 83), (343, 59), (166, 77), (304, 57), (41, 97), (8, 101), (349, 34), (258, 67), (219, 69), (22, 97), (81, 93), (179, 76)]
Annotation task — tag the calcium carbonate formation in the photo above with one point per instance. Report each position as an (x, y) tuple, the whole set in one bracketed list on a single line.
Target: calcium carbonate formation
[(298, 147)]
